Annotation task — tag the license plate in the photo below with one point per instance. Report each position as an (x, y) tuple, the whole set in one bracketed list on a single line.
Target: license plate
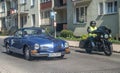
[(54, 54)]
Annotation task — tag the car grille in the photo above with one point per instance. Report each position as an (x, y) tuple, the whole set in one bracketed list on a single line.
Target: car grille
[(58, 47)]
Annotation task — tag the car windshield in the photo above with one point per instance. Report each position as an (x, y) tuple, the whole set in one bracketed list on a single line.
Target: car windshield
[(35, 32)]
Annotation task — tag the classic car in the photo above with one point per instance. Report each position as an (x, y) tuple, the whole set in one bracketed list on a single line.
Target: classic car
[(35, 42)]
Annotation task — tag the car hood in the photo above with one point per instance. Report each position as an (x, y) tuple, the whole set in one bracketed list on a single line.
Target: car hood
[(43, 39)]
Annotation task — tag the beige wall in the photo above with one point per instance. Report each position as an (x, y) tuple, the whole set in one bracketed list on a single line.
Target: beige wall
[(111, 20), (32, 10)]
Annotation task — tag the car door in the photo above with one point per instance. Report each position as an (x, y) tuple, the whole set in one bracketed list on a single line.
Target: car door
[(17, 42)]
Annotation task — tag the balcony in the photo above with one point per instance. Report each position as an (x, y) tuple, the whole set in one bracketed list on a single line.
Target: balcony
[(11, 12), (46, 5), (60, 4), (80, 0)]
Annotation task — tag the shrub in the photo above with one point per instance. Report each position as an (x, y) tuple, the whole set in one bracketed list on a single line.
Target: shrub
[(84, 37), (66, 33)]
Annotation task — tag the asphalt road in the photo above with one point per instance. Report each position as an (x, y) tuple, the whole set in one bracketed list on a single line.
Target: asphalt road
[(76, 62)]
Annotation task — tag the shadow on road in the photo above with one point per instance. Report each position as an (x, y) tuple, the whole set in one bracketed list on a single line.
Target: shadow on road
[(35, 58), (93, 53)]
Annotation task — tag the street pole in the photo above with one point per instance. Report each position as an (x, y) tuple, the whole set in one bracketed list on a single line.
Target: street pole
[(54, 19), (52, 5)]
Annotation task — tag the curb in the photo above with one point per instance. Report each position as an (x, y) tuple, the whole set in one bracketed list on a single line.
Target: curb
[(116, 47)]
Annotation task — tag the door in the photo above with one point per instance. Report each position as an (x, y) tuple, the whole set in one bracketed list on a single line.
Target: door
[(16, 42)]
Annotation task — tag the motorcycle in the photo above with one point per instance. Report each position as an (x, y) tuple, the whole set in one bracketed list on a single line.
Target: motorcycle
[(98, 43)]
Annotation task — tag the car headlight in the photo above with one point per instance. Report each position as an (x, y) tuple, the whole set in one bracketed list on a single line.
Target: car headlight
[(106, 36), (66, 44), (36, 46)]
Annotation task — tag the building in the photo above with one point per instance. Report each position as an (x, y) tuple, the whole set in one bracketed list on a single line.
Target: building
[(19, 13), (2, 14), (104, 12), (71, 14), (29, 13), (8, 15), (58, 6)]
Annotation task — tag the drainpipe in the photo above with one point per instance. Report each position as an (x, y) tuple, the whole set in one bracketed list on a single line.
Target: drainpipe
[(19, 26), (54, 20), (118, 1)]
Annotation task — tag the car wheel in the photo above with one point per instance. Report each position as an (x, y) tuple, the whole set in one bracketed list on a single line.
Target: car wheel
[(27, 54), (8, 49)]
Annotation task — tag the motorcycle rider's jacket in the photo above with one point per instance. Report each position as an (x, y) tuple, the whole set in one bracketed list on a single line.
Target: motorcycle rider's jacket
[(90, 30)]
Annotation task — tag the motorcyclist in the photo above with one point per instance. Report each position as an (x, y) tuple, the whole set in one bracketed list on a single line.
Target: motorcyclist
[(91, 35), (92, 28)]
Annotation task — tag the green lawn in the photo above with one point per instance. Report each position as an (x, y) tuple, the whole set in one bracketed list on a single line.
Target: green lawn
[(78, 39)]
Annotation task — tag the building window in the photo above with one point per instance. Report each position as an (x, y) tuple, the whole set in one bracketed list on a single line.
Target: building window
[(108, 7), (32, 2), (22, 1), (2, 7), (33, 20), (45, 14), (44, 1), (81, 14), (101, 8)]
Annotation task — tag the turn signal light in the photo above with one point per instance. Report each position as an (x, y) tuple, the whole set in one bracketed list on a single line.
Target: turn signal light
[(33, 51), (67, 51)]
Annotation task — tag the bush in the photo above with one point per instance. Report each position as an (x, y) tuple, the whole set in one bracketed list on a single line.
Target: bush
[(66, 33), (84, 37)]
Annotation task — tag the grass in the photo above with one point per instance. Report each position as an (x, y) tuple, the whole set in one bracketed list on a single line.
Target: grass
[(115, 41), (1, 34), (70, 39), (78, 39)]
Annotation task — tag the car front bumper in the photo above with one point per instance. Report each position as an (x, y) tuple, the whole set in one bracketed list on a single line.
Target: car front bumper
[(34, 53), (48, 54)]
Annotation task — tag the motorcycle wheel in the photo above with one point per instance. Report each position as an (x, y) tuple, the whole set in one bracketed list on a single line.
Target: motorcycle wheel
[(88, 48), (108, 50)]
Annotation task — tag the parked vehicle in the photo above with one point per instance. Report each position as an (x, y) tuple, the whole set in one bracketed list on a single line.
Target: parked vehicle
[(98, 43), (33, 41)]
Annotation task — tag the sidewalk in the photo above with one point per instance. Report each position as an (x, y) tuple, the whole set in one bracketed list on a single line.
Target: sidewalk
[(116, 47)]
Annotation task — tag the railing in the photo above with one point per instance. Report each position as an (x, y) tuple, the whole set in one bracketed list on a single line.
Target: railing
[(77, 0)]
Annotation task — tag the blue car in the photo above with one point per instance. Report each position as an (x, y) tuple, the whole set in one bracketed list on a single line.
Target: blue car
[(35, 42)]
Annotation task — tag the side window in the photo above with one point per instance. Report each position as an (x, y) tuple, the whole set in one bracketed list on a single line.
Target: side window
[(18, 34)]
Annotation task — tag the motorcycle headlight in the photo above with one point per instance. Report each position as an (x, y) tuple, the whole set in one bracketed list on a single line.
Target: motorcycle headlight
[(66, 44), (101, 36), (36, 46), (106, 36)]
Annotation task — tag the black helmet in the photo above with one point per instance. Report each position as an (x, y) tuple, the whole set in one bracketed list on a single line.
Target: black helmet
[(93, 23)]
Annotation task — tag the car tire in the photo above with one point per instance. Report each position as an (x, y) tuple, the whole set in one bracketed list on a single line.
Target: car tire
[(27, 54), (8, 49)]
